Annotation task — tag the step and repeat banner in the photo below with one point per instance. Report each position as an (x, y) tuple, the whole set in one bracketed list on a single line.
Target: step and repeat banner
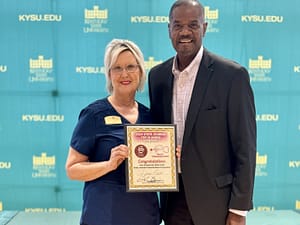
[(51, 66)]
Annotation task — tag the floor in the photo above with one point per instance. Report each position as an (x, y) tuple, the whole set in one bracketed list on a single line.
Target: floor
[(277, 217)]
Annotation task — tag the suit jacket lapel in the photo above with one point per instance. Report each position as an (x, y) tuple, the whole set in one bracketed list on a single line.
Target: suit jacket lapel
[(168, 92), (204, 75)]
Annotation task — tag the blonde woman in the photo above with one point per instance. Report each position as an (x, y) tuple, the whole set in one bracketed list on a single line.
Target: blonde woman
[(97, 151)]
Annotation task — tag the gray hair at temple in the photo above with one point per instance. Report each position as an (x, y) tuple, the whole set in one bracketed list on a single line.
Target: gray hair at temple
[(113, 50), (187, 2)]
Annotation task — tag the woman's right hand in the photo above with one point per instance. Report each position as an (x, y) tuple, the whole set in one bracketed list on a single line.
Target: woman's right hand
[(118, 155), (78, 166)]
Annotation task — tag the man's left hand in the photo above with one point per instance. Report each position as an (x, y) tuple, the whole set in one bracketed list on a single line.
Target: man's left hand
[(235, 219)]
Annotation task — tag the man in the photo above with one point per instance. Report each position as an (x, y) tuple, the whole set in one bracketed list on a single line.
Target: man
[(210, 100)]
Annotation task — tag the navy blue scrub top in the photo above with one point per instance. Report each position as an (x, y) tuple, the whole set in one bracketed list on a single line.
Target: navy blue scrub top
[(105, 200)]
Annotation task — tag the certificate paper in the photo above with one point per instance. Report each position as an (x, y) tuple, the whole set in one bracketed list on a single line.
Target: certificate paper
[(151, 163)]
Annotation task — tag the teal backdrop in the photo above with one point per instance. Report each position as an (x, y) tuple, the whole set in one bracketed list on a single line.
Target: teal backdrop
[(51, 66)]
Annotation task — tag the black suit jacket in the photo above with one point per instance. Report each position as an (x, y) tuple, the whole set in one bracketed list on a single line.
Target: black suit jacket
[(219, 143)]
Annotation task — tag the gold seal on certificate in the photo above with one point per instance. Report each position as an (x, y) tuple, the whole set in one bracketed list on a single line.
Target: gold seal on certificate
[(151, 163)]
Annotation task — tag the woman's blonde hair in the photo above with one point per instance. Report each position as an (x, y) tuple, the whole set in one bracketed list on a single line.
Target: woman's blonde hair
[(113, 50)]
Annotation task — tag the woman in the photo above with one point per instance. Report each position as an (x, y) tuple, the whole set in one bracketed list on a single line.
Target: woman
[(97, 151)]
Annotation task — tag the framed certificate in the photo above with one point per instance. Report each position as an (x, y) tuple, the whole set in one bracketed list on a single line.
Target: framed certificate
[(152, 163)]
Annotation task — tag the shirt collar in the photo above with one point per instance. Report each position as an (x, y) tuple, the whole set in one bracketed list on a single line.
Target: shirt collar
[(196, 62)]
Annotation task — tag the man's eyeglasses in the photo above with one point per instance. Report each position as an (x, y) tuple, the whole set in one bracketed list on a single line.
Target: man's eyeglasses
[(131, 68)]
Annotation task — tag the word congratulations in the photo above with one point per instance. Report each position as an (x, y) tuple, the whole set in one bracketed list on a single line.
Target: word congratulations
[(40, 17), (151, 161)]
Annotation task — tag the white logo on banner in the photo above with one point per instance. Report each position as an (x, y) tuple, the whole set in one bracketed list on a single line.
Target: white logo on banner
[(261, 165), (96, 20), (43, 166), (151, 63), (212, 17), (41, 69), (259, 69), (297, 205)]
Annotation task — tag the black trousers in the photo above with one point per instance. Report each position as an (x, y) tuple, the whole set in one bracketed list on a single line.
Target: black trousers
[(177, 212)]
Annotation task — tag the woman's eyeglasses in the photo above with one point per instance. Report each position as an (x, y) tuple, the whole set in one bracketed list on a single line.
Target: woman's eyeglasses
[(131, 68)]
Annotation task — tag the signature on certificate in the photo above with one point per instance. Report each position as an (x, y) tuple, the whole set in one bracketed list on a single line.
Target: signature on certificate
[(147, 177)]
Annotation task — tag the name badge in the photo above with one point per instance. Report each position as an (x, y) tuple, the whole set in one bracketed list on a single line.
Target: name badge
[(112, 120)]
